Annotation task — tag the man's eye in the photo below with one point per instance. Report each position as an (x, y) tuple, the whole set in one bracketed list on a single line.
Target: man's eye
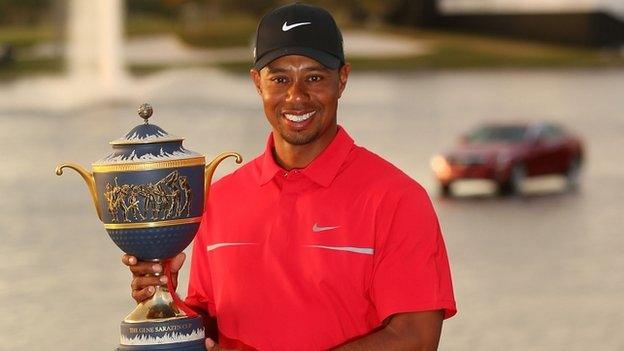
[(279, 80), (315, 78)]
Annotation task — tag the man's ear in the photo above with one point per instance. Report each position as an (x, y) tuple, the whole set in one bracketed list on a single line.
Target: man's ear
[(255, 77), (343, 76)]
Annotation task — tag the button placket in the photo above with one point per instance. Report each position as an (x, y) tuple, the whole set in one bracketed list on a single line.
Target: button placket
[(286, 217), (280, 237)]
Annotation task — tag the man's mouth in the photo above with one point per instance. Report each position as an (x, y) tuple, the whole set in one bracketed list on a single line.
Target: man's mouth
[(298, 118)]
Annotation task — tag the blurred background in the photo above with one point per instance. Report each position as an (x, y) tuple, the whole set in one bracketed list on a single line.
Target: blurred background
[(540, 270)]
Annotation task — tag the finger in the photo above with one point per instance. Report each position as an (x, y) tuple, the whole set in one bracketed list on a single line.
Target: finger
[(177, 262), (143, 294), (128, 260), (140, 283), (145, 268)]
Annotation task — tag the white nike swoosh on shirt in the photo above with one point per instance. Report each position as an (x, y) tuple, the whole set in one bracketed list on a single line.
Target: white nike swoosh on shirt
[(360, 250), (316, 228), (216, 246), (286, 27)]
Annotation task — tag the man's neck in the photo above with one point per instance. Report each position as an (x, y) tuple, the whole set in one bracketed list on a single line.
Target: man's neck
[(290, 156)]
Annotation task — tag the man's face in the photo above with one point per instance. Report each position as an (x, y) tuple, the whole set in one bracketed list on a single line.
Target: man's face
[(300, 98)]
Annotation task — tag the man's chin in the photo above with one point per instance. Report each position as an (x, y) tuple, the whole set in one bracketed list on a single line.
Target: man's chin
[(298, 137)]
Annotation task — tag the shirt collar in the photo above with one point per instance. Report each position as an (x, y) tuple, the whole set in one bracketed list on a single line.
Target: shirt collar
[(322, 170), (269, 166)]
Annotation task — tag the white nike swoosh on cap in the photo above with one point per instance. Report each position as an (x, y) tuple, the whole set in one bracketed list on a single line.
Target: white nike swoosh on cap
[(286, 27), (316, 228)]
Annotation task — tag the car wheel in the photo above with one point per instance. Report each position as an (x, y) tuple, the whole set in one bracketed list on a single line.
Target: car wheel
[(513, 185), (445, 190), (573, 173)]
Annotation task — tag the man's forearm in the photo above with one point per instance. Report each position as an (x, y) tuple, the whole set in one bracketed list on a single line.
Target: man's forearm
[(409, 332), (385, 339)]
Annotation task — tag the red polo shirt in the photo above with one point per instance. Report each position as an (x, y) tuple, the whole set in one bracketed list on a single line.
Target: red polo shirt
[(311, 258)]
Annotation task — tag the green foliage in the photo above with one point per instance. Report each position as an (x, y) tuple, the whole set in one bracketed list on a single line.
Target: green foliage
[(221, 32), (148, 25), (23, 11), (160, 8), (24, 36), (256, 7), (30, 67), (171, 8)]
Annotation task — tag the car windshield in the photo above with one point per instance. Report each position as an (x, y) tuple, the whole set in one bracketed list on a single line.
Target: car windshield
[(507, 134)]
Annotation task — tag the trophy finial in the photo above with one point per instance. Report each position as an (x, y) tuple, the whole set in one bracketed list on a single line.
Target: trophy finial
[(145, 111)]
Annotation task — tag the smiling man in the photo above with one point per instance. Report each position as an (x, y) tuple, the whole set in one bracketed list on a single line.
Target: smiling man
[(317, 243)]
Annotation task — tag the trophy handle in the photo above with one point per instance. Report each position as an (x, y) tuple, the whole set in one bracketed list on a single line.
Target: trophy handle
[(210, 168), (88, 178)]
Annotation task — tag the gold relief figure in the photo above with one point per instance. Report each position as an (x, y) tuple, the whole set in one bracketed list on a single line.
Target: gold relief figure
[(125, 192), (186, 188), (108, 195), (168, 198), (161, 200), (134, 204), (140, 190), (174, 202), (169, 188), (152, 206), (113, 195)]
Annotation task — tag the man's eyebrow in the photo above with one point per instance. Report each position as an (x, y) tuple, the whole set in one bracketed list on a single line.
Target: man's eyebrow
[(273, 70), (316, 68)]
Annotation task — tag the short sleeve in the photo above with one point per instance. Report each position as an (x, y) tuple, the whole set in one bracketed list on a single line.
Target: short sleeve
[(411, 271), (200, 293)]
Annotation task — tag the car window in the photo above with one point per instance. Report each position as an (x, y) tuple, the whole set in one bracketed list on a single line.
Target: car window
[(509, 134), (550, 132)]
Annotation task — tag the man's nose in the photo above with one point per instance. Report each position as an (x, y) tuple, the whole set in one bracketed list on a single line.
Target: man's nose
[(297, 91)]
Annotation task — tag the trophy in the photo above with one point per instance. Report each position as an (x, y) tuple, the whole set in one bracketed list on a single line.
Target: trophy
[(149, 193)]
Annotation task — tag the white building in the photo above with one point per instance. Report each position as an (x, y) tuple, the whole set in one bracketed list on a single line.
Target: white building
[(614, 7), (598, 23)]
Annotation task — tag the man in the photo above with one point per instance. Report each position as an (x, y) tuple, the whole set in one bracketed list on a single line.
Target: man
[(318, 243)]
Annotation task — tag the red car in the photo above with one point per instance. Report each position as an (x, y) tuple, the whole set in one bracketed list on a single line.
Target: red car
[(507, 153)]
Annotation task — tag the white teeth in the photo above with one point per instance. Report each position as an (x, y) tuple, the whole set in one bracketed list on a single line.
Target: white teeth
[(299, 118)]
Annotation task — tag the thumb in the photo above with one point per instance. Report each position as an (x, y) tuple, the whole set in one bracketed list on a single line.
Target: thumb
[(210, 345), (177, 262)]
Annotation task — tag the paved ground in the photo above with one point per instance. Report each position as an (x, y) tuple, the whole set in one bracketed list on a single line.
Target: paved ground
[(539, 272)]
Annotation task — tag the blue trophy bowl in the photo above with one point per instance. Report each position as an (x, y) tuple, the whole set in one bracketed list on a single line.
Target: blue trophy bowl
[(152, 214), (154, 243)]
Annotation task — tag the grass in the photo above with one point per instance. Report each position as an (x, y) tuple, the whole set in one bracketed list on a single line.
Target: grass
[(148, 25), (230, 31), (224, 32), (31, 67), (22, 38), (460, 50), (26, 36), (451, 50), (447, 50)]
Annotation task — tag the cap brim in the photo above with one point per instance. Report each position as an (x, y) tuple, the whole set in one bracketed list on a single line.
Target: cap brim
[(328, 60)]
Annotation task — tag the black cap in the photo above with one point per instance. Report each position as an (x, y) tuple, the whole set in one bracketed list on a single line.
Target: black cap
[(298, 29)]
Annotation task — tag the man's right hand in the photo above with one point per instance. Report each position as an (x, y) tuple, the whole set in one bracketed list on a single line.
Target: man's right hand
[(143, 279)]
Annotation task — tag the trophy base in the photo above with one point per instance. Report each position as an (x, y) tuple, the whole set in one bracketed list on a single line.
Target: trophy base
[(180, 334)]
